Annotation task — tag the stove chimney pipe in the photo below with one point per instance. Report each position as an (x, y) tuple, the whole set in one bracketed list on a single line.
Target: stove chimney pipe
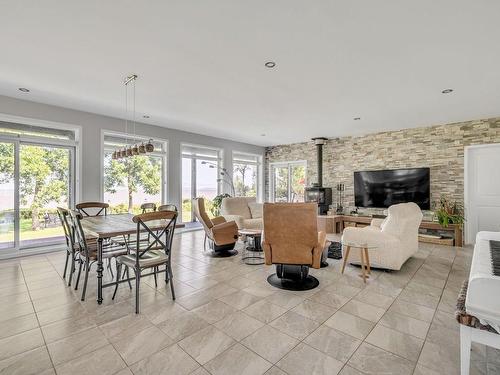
[(319, 142)]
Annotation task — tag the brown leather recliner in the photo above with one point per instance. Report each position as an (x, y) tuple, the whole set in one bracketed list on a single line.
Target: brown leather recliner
[(221, 234), (292, 242)]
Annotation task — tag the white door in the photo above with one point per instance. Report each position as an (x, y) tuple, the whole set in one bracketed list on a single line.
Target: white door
[(482, 190)]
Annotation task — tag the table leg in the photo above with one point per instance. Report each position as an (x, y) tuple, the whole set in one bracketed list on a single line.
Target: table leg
[(363, 269), (367, 259), (100, 268), (346, 255)]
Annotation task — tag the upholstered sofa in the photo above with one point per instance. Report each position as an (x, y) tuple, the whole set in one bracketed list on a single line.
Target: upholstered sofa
[(395, 237), (245, 211)]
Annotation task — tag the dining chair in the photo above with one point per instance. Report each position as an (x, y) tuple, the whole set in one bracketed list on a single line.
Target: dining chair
[(70, 243), (160, 225), (88, 248), (148, 207), (92, 208), (167, 207)]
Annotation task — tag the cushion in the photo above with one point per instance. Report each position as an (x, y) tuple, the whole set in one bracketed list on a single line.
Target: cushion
[(236, 206), (256, 209), (463, 317)]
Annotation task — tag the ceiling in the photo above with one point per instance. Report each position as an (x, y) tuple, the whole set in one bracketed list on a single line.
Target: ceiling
[(201, 63)]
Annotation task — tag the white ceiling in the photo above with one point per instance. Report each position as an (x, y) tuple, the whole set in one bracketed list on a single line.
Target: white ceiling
[(201, 63)]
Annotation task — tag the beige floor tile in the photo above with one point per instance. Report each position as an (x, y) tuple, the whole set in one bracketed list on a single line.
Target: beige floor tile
[(426, 300), (199, 371), (237, 360), (275, 371), (414, 311), (183, 325), (332, 342), (239, 325), (73, 310), (386, 289), (350, 324), (285, 299), (260, 290), (306, 360), (30, 362), (124, 327), (11, 311), (141, 344), (270, 343), (104, 361), (343, 289), (67, 327), (363, 310), (372, 360), (194, 300), (329, 299), (315, 311), (444, 360), (374, 299), (20, 343), (294, 325), (404, 345), (239, 300), (405, 324), (74, 346), (171, 360), (348, 370), (214, 311), (18, 325), (424, 289), (264, 311), (158, 313), (206, 344)]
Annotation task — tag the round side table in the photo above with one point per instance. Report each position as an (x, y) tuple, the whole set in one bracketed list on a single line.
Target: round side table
[(252, 250), (363, 255)]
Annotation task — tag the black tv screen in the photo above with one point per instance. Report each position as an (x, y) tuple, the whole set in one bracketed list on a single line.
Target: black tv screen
[(382, 189)]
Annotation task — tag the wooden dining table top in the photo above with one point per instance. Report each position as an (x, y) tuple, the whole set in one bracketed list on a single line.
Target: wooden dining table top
[(106, 226)]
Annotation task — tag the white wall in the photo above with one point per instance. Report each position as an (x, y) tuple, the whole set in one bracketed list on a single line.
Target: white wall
[(92, 126)]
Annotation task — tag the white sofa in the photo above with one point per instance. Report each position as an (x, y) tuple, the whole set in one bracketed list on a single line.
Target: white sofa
[(395, 237), (245, 211)]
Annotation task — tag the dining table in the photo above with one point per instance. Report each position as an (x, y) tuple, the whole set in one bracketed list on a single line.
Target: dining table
[(104, 227)]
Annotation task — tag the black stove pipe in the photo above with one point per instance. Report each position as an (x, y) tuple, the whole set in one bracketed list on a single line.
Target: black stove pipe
[(319, 142)]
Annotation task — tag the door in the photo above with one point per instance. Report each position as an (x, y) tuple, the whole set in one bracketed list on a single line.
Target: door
[(482, 190), (288, 181), (7, 195)]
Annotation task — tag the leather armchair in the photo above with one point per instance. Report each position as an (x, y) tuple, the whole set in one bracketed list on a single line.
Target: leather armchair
[(395, 237), (220, 234), (292, 242)]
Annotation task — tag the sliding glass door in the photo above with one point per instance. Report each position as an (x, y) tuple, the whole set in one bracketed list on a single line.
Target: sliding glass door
[(288, 181), (7, 195)]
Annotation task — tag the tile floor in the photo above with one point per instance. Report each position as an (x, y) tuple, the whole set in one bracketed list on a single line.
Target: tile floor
[(228, 320)]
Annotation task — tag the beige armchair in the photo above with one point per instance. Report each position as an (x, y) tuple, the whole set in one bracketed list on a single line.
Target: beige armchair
[(292, 242), (220, 234), (395, 237), (245, 211)]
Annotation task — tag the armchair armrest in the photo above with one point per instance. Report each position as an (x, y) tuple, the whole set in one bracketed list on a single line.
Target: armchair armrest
[(225, 233), (318, 250), (218, 220), (236, 218), (377, 223), (370, 237), (267, 253)]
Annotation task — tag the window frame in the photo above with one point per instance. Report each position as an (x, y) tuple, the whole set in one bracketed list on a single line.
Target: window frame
[(258, 163), (289, 165)]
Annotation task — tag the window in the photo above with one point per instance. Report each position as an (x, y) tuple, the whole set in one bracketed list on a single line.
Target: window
[(201, 177), (132, 181), (37, 169), (246, 173), (288, 181)]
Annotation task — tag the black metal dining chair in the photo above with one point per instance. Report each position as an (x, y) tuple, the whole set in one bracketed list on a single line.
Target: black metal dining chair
[(92, 208), (71, 249), (87, 250), (167, 207), (148, 207), (153, 254)]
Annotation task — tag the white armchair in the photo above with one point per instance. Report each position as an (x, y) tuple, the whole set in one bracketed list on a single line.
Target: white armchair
[(245, 211), (395, 237)]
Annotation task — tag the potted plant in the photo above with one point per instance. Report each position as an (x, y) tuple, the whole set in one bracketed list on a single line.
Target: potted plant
[(448, 212), (216, 203)]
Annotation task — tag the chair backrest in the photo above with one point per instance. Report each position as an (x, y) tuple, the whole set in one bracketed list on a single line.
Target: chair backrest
[(164, 226), (201, 214), (291, 230), (148, 207), (237, 206), (167, 207), (403, 221), (79, 239), (93, 208), (63, 214)]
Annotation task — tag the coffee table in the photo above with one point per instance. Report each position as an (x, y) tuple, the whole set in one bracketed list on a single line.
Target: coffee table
[(252, 251), (363, 254)]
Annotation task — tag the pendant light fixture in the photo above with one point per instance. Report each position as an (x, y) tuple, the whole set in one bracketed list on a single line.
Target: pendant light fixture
[(134, 148)]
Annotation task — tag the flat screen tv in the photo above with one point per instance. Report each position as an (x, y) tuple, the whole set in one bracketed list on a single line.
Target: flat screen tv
[(382, 189)]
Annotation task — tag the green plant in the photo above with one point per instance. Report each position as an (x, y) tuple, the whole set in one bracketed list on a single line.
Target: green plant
[(448, 212), (216, 203)]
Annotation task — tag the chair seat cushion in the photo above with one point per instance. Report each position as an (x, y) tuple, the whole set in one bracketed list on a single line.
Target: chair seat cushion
[(466, 319), (149, 259)]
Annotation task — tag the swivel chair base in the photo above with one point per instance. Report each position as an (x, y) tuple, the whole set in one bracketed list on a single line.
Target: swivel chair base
[(292, 277), (220, 251)]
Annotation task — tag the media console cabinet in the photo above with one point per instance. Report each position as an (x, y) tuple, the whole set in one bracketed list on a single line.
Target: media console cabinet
[(337, 223)]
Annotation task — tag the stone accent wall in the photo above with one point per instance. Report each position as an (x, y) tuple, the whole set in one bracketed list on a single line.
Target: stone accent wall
[(441, 148)]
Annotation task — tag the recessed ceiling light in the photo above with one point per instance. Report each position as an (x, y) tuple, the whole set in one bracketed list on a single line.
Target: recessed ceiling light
[(24, 89), (262, 135), (145, 116), (357, 118), (447, 91), (270, 64)]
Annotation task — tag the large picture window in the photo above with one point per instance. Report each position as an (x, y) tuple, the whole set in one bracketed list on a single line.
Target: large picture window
[(132, 181), (36, 176), (246, 173), (288, 181)]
